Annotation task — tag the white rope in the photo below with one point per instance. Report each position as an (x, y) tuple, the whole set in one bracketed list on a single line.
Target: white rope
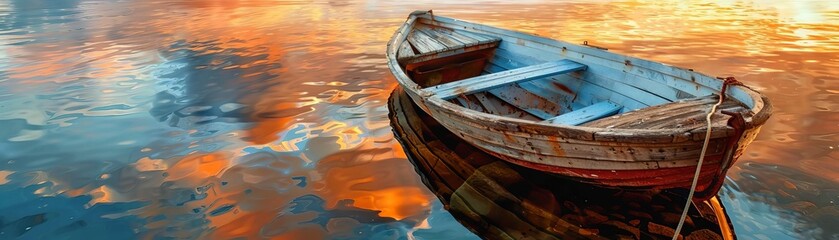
[(698, 168)]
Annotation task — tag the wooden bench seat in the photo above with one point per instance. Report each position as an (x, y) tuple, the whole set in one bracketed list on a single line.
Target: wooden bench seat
[(486, 82), (587, 114)]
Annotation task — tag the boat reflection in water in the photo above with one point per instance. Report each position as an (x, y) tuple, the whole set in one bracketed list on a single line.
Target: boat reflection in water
[(499, 200)]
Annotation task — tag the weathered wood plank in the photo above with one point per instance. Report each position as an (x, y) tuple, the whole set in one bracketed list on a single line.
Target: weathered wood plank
[(405, 50), (424, 43), (685, 113), (587, 114), (443, 53), (633, 152), (554, 142), (518, 59), (560, 94), (477, 36), (463, 35), (549, 93), (486, 82), (516, 127), (500, 107), (446, 40), (456, 35), (486, 104), (474, 103), (428, 41), (527, 101), (582, 163), (463, 102)]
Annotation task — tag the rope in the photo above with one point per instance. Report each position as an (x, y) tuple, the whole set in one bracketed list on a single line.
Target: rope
[(728, 81)]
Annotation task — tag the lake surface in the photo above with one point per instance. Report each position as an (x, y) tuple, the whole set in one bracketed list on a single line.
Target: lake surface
[(268, 119)]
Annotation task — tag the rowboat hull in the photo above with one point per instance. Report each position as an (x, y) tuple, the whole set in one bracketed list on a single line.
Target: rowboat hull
[(616, 157), (478, 189), (610, 172)]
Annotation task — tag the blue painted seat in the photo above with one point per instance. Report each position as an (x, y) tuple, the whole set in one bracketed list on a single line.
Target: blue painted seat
[(494, 80), (587, 114)]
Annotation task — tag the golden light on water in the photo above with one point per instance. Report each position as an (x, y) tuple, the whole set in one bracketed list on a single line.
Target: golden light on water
[(235, 102)]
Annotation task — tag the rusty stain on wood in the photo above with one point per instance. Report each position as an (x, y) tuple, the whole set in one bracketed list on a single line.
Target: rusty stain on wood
[(562, 87)]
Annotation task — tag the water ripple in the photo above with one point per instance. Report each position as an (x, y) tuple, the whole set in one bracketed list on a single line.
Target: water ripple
[(225, 119)]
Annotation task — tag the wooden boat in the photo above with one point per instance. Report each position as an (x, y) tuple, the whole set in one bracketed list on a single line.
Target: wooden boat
[(575, 110), (499, 200)]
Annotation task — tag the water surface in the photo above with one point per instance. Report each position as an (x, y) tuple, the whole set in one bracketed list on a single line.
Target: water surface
[(268, 119)]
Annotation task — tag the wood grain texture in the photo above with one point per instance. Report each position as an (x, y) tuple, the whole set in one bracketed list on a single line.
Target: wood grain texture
[(486, 82), (405, 50), (587, 114), (560, 89), (455, 35), (424, 43), (689, 113), (445, 39), (434, 42), (487, 104), (527, 101)]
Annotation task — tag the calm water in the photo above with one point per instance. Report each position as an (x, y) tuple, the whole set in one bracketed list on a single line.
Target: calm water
[(221, 119)]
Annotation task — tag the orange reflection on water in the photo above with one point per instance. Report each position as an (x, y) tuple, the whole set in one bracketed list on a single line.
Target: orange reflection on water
[(198, 167), (104, 194), (314, 74), (3, 175), (377, 185), (397, 202), (265, 131)]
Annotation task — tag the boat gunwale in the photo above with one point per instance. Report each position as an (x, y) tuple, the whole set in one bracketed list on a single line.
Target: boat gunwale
[(761, 109)]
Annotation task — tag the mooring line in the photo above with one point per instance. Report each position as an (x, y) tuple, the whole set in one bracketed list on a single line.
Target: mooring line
[(726, 82)]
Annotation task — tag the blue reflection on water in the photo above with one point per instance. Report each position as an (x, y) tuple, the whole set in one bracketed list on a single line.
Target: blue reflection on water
[(31, 216), (222, 119)]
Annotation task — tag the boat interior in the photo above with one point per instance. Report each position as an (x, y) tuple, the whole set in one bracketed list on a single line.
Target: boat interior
[(494, 75)]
